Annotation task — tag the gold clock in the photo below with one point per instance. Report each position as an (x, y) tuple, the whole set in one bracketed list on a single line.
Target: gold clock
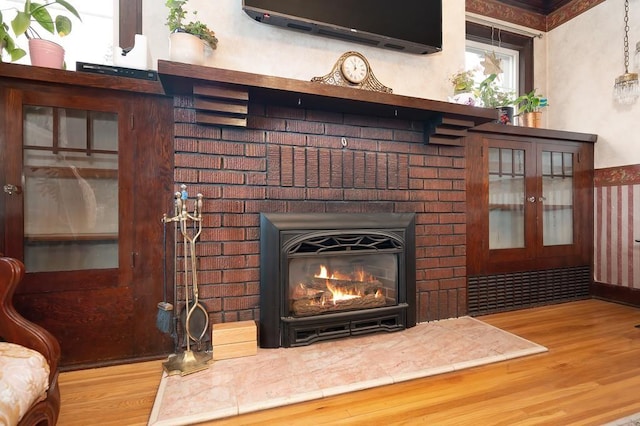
[(353, 70)]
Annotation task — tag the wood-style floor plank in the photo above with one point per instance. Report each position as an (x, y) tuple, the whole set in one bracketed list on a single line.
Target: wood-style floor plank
[(590, 376)]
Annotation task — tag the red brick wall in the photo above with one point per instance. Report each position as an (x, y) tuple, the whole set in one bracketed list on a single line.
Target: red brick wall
[(293, 160)]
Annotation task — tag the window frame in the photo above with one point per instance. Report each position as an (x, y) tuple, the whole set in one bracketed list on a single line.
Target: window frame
[(523, 44)]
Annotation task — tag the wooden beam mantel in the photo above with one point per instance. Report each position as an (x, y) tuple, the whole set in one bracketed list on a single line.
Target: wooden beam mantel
[(445, 123)]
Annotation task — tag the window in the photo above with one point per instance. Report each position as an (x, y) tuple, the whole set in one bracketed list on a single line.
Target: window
[(475, 55), (481, 35)]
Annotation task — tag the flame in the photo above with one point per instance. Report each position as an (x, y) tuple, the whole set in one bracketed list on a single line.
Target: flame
[(323, 272), (358, 275), (340, 293)]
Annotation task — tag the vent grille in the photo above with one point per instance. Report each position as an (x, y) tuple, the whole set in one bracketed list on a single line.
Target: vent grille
[(507, 292)]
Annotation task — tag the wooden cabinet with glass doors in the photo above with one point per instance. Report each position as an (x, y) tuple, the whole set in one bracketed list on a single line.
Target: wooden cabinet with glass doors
[(86, 170), (530, 217)]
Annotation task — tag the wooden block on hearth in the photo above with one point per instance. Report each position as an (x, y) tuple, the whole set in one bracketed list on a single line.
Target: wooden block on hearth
[(234, 339)]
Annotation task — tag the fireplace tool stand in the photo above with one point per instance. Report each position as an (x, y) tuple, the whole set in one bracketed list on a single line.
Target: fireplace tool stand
[(189, 361)]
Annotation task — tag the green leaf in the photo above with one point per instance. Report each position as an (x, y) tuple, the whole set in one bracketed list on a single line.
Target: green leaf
[(20, 23), (63, 25), (42, 16), (17, 54), (69, 8)]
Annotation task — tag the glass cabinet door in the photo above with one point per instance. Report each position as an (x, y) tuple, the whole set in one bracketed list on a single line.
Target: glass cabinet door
[(557, 197), (506, 198), (531, 199), (70, 185)]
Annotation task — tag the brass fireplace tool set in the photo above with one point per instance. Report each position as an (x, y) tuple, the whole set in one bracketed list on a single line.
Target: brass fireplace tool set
[(193, 321)]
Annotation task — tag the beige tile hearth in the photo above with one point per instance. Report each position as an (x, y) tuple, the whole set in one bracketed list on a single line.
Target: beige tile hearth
[(276, 377)]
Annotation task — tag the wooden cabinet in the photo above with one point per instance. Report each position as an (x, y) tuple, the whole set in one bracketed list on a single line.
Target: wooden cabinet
[(87, 172), (530, 216)]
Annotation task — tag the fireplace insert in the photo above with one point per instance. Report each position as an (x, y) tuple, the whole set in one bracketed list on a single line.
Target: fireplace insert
[(332, 275)]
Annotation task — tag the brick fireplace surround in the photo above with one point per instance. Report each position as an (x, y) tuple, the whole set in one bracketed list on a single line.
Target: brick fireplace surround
[(256, 144), (298, 160)]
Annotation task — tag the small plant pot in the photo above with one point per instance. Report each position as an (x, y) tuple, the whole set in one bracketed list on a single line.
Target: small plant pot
[(184, 47), (45, 53), (531, 119)]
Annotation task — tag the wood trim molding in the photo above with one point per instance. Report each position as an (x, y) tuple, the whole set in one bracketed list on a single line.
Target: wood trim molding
[(616, 176), (569, 11), (616, 293), (503, 12), (537, 21)]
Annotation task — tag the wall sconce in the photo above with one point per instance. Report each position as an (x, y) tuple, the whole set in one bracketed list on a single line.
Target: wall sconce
[(626, 88)]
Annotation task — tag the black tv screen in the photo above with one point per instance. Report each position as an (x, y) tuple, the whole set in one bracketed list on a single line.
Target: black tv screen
[(413, 26)]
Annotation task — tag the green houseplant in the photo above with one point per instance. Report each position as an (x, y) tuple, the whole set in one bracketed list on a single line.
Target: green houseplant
[(529, 106), (187, 40), (24, 23), (492, 95)]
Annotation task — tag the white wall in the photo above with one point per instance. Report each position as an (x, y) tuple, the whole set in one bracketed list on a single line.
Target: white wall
[(246, 45), (585, 55)]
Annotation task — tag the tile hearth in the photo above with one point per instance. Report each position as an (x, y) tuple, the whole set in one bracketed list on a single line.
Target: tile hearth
[(276, 377)]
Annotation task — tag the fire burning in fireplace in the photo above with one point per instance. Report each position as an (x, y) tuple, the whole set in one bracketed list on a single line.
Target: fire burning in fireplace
[(326, 276), (337, 291)]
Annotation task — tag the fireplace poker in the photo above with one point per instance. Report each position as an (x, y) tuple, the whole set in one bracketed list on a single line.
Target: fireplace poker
[(189, 361)]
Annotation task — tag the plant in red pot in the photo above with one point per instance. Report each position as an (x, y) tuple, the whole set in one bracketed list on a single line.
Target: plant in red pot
[(41, 52)]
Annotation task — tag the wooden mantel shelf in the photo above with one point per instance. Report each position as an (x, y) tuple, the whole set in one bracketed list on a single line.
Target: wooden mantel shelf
[(445, 123)]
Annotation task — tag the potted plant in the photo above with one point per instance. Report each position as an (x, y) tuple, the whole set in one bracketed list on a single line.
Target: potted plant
[(463, 88), (187, 40), (529, 106), (494, 96), (42, 52)]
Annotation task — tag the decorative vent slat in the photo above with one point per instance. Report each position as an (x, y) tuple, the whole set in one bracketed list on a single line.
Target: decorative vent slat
[(505, 292), (221, 105), (441, 130)]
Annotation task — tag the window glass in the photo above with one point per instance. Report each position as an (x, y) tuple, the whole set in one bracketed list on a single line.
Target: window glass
[(70, 189), (506, 198), (557, 198)]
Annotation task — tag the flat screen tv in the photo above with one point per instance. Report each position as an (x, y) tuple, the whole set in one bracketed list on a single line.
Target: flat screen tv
[(413, 26)]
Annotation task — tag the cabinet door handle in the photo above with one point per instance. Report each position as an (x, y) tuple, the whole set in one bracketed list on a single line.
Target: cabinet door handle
[(12, 189), (531, 199)]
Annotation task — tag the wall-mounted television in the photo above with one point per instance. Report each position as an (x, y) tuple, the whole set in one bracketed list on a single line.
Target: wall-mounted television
[(413, 26)]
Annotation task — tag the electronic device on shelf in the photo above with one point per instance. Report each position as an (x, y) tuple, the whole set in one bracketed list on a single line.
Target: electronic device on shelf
[(117, 71)]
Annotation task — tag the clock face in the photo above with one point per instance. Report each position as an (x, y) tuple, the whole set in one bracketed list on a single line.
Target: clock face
[(354, 69)]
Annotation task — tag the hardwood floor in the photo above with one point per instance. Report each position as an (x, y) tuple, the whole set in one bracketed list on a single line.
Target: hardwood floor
[(590, 376)]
